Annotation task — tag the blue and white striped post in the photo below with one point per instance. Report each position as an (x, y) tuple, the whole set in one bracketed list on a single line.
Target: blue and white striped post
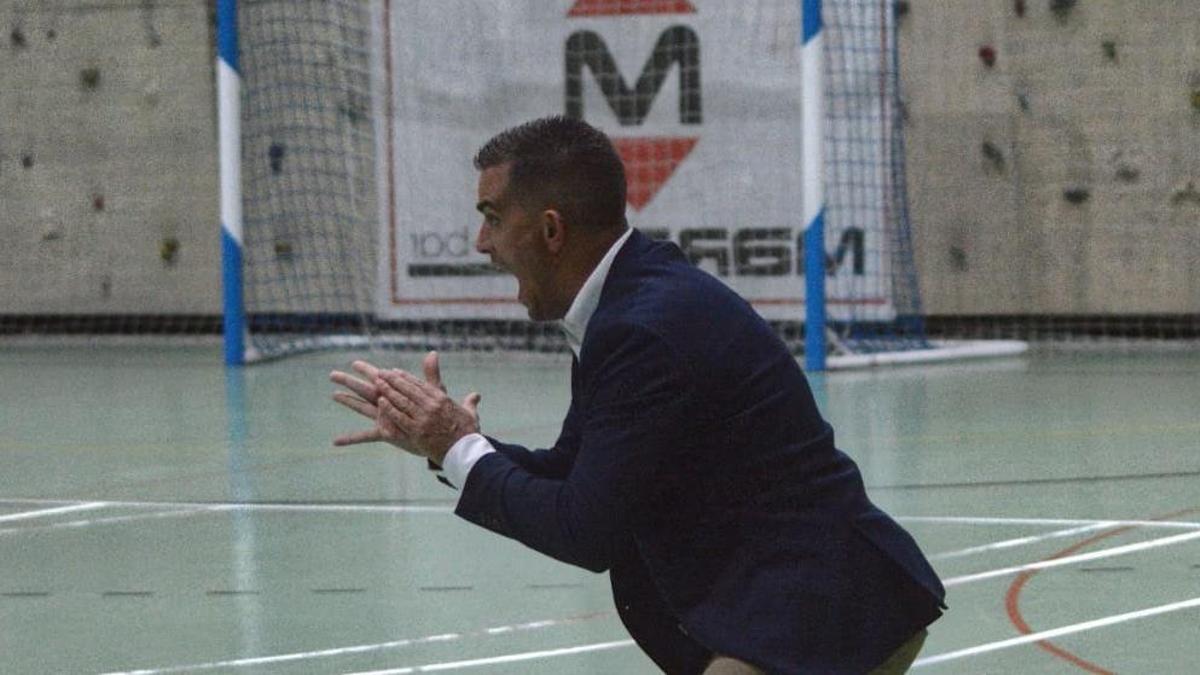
[(229, 125), (812, 58)]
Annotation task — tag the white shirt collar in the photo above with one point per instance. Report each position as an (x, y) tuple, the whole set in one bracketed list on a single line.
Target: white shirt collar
[(575, 322)]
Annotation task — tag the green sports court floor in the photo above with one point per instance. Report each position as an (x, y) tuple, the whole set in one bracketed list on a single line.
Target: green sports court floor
[(160, 514)]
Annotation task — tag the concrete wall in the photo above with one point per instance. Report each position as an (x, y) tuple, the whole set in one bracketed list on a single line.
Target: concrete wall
[(993, 152), (111, 105), (108, 174)]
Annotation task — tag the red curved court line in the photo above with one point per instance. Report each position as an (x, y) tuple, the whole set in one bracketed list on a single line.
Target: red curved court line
[(1012, 598)]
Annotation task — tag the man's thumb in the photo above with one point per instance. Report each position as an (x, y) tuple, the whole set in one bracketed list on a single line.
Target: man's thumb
[(471, 402), (433, 371)]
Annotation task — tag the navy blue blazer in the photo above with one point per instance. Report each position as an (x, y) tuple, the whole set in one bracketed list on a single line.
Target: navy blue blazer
[(694, 466)]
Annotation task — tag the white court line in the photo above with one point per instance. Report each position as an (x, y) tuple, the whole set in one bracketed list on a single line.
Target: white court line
[(79, 506), (366, 648), (429, 508), (1069, 560), (1056, 632), (972, 520), (75, 524), (1019, 541), (238, 506), (493, 660)]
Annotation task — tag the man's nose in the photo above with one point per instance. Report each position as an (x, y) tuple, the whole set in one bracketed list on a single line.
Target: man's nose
[(482, 243)]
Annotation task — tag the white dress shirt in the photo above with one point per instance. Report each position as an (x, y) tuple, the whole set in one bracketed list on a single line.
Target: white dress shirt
[(470, 448)]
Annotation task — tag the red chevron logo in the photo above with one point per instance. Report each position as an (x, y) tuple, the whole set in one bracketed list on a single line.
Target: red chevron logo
[(615, 7), (649, 164)]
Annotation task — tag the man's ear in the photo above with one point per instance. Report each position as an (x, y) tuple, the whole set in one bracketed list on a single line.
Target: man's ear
[(554, 232)]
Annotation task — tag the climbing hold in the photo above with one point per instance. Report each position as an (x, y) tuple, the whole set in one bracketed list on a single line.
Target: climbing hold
[(1019, 8), (902, 8), (275, 154), (958, 259), (17, 36), (1110, 50), (1076, 195), (168, 250), (1128, 174), (97, 202), (1188, 194), (1062, 8), (89, 78), (1196, 100), (27, 161), (283, 249), (993, 155), (987, 54)]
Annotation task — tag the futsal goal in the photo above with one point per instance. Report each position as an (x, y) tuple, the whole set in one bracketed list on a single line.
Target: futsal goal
[(764, 137)]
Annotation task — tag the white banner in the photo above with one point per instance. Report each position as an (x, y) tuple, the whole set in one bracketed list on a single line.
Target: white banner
[(702, 99)]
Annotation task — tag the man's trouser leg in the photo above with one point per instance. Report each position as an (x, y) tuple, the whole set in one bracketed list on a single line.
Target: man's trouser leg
[(724, 665), (902, 658), (896, 664)]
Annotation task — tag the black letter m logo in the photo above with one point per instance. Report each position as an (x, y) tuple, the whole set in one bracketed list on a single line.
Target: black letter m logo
[(678, 44)]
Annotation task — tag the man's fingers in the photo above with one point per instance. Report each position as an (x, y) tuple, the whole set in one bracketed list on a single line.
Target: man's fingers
[(418, 392), (365, 369), (355, 403), (387, 420), (364, 390), (368, 436), (433, 370), (394, 397), (397, 415)]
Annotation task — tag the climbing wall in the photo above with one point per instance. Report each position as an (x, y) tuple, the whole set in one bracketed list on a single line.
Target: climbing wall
[(108, 181), (1054, 155)]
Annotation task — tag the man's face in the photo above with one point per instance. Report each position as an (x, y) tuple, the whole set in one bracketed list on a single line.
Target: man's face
[(511, 236)]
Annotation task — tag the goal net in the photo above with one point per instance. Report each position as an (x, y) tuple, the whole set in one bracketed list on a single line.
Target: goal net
[(360, 120)]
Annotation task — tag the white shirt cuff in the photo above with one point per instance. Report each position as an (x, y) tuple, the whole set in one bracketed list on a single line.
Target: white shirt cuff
[(461, 458)]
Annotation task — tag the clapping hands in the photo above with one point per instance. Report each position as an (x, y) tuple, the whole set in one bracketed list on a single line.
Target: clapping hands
[(412, 414)]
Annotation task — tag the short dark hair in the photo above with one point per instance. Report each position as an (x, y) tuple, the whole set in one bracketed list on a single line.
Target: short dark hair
[(563, 163)]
